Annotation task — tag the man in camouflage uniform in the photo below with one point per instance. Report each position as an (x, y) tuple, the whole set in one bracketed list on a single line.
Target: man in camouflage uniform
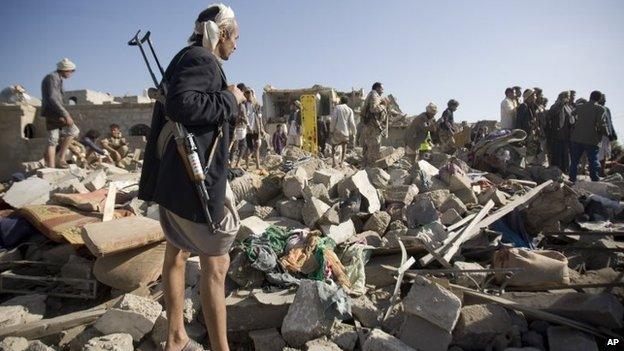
[(374, 118)]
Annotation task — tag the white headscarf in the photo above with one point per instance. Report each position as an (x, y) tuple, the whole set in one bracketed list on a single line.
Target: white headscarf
[(432, 108), (209, 30)]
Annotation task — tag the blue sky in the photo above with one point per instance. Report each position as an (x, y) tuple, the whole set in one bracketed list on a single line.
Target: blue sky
[(421, 50)]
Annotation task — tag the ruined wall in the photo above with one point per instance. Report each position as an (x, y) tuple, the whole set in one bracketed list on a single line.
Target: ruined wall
[(15, 148)]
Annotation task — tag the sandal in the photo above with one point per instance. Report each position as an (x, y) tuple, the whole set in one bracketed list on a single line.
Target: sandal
[(192, 345)]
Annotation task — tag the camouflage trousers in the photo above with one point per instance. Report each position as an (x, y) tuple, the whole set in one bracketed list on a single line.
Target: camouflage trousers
[(371, 143)]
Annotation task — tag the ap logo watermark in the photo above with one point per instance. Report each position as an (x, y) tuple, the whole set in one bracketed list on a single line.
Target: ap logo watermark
[(613, 342)]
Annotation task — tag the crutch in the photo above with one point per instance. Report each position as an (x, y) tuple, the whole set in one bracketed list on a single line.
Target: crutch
[(185, 141)]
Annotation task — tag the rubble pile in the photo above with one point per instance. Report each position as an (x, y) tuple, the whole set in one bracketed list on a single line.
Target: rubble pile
[(436, 254)]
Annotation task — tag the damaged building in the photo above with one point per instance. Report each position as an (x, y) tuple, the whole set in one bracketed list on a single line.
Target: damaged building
[(23, 135)]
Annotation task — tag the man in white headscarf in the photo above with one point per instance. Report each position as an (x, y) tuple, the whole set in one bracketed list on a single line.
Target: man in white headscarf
[(59, 122), (200, 98), (421, 126)]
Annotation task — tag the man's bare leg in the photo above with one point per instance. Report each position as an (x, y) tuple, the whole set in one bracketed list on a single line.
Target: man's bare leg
[(49, 156), (258, 157), (334, 156), (173, 284), (343, 153), (212, 292), (63, 150)]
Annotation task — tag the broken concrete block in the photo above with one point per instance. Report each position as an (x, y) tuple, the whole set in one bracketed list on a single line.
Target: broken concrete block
[(270, 188), (426, 167), (37, 345), (378, 177), (344, 335), (306, 319), (422, 335), (421, 212), (479, 325), (267, 340), (12, 343), (294, 183), (265, 212), (391, 159), (117, 342), (401, 193), (292, 209), (399, 176), (339, 233), (133, 314), (359, 182), (246, 186), (604, 189), (378, 340), (464, 279), (53, 175), (318, 191), (328, 177), (244, 308), (370, 237), (438, 197), (433, 303), (450, 217), (453, 202), (22, 309), (378, 222), (321, 344), (313, 209), (365, 311), (95, 180), (251, 226), (602, 309), (30, 191), (192, 273), (245, 209), (192, 304), (568, 339), (498, 197), (159, 331), (76, 187)]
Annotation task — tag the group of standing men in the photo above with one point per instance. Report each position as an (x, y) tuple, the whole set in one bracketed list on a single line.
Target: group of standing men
[(564, 133)]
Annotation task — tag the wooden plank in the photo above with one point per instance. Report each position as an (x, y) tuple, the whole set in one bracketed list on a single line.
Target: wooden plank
[(461, 223), (539, 314), (109, 203), (455, 245), (502, 212), (455, 236)]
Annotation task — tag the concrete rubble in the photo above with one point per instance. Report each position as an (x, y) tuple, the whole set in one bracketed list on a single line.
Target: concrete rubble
[(317, 256)]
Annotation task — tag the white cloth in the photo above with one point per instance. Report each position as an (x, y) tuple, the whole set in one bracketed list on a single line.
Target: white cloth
[(65, 65), (508, 113), (252, 117), (293, 137), (209, 30), (605, 149), (342, 121)]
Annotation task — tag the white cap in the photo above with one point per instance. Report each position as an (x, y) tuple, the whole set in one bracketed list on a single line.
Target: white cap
[(65, 65)]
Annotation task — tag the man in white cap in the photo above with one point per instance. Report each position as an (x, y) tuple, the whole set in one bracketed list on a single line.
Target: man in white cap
[(421, 126), (59, 122), (199, 98), (374, 114)]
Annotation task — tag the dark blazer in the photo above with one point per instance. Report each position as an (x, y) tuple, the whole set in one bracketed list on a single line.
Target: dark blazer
[(590, 124), (198, 98)]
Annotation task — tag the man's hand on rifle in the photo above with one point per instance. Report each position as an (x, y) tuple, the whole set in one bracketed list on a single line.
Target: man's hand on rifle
[(238, 94)]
